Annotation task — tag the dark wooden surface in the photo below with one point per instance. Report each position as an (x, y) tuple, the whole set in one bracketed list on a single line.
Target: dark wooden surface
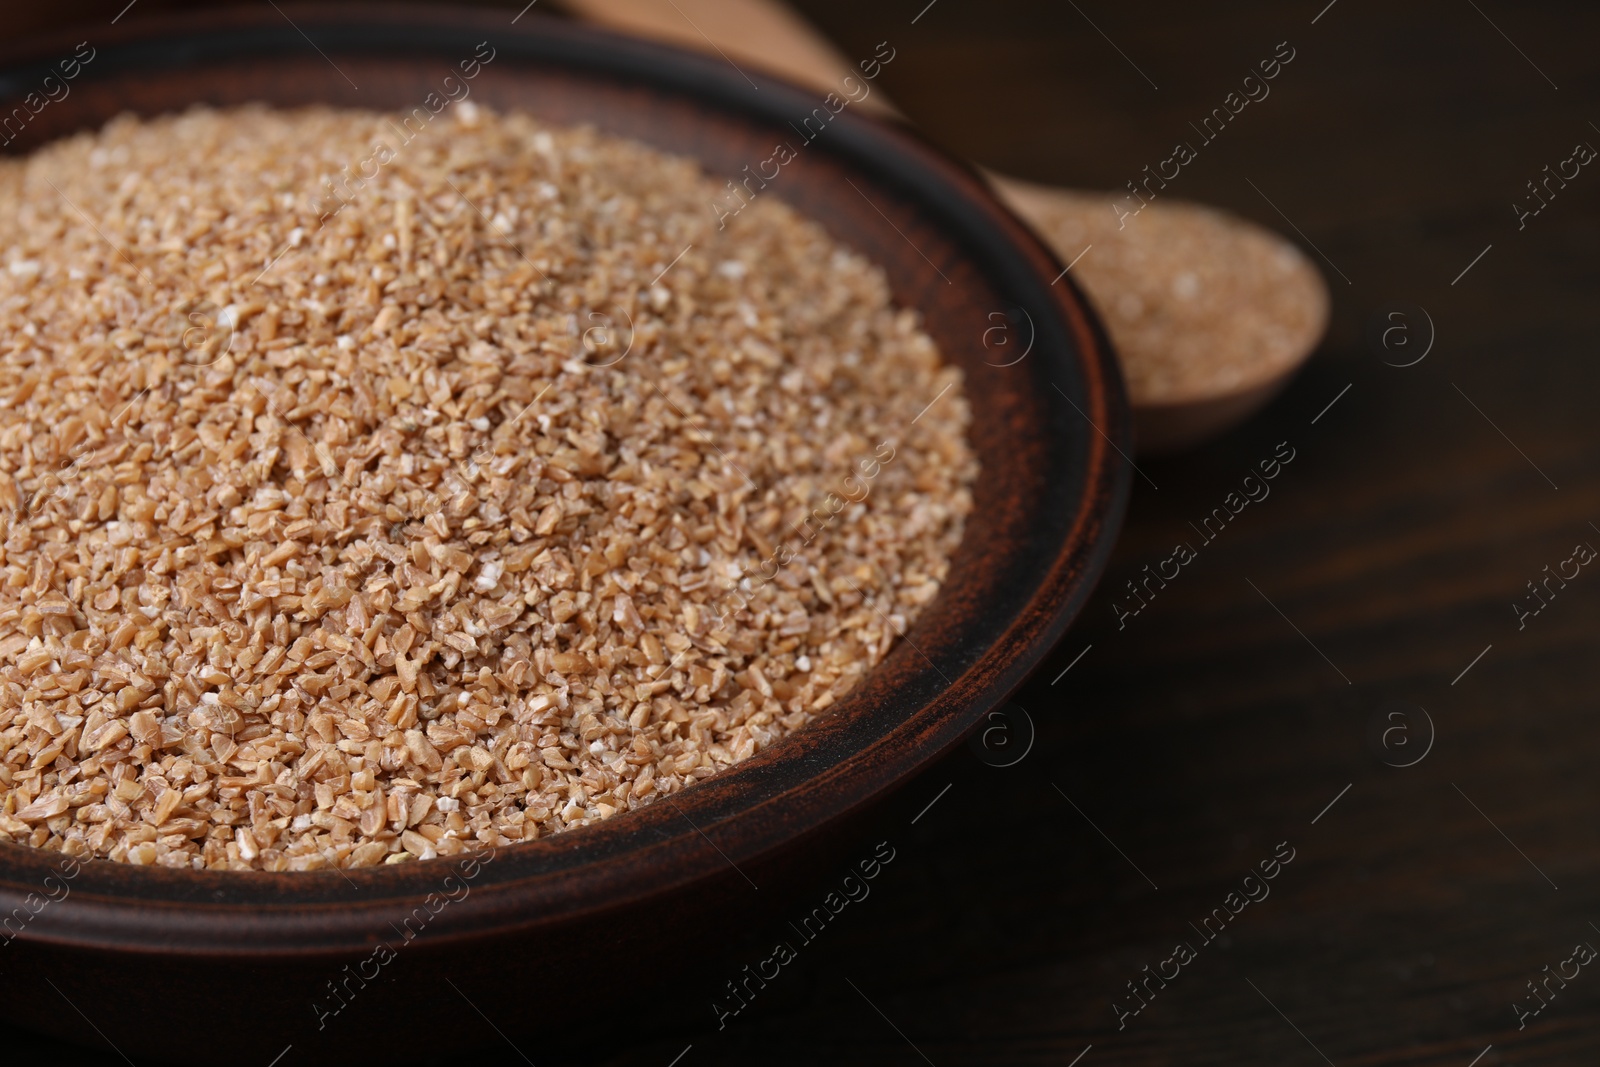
[(1218, 724)]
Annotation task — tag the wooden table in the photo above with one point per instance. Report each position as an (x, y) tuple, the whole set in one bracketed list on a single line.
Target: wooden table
[(1268, 693)]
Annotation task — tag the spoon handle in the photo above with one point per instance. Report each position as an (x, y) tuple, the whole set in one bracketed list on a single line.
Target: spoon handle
[(765, 33)]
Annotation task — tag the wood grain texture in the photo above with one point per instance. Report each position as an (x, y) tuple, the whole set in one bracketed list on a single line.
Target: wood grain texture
[(1208, 730)]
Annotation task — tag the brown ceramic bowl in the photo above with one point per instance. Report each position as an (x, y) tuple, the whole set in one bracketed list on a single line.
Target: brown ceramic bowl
[(236, 967)]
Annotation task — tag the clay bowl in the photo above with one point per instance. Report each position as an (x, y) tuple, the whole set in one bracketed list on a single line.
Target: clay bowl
[(209, 966)]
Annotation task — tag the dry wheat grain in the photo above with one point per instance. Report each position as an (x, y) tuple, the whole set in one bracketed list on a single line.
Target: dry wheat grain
[(401, 546), (1199, 304)]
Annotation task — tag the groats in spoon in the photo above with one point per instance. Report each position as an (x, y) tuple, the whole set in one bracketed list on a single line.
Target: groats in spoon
[(1210, 315)]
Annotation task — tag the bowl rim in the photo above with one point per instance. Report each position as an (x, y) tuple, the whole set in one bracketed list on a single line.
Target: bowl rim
[(620, 861)]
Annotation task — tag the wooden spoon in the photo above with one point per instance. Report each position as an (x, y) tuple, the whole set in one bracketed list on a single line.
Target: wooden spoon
[(1210, 315)]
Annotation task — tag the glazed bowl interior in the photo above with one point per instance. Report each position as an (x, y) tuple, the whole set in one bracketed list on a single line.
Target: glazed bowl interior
[(1049, 426)]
